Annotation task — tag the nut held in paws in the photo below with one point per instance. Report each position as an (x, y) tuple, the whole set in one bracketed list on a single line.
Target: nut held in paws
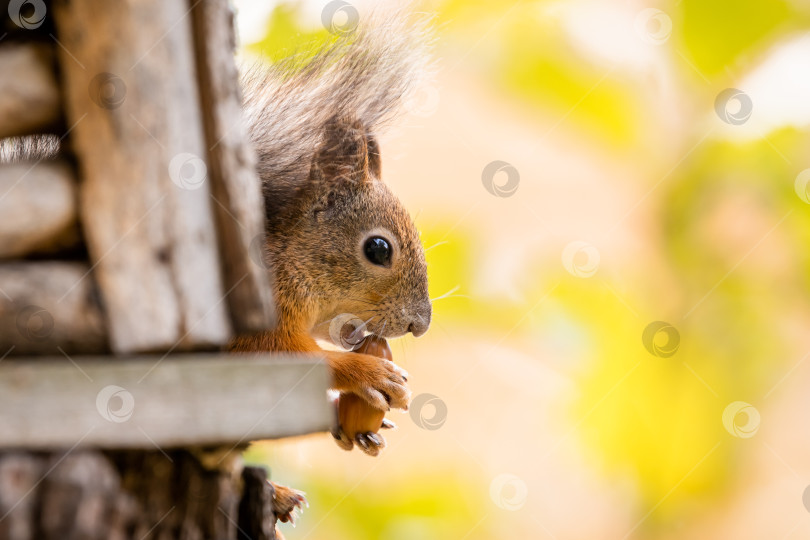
[(357, 416), (354, 413)]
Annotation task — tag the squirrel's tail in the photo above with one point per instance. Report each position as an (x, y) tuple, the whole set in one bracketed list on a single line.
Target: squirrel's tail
[(365, 75)]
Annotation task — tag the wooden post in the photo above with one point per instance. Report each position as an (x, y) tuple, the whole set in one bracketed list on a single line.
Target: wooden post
[(145, 201), (235, 186), (257, 521)]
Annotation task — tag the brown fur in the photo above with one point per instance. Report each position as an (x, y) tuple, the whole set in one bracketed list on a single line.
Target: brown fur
[(314, 125), (319, 270), (320, 165)]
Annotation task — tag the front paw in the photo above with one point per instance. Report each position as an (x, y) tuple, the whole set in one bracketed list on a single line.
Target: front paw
[(383, 384)]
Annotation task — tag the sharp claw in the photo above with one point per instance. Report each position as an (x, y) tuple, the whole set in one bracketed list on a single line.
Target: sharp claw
[(361, 440), (342, 440), (373, 437), (388, 424)]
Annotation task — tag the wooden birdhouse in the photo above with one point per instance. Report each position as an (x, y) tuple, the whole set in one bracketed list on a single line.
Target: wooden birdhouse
[(131, 252)]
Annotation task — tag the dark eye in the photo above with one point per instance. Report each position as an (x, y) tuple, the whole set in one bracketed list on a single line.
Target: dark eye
[(378, 251)]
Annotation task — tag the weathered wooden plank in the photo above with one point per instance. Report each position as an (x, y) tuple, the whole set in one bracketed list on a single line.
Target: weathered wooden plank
[(45, 305), (147, 402), (235, 185), (29, 93), (131, 95), (38, 208)]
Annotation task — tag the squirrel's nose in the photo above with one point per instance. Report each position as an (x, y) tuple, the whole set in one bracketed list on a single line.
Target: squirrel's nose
[(420, 323), (417, 328)]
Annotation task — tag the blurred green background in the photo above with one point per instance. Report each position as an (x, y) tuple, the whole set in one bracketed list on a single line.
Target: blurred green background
[(645, 195)]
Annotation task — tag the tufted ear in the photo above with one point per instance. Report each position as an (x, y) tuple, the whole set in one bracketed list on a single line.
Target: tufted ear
[(344, 153), (346, 158)]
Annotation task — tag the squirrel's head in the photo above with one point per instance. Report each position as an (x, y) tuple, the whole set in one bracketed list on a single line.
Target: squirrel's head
[(343, 244)]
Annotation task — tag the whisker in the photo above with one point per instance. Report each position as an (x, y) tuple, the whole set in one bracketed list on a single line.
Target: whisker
[(437, 244), (447, 294), (452, 296)]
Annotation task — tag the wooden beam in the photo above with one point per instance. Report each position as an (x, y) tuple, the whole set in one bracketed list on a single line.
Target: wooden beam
[(150, 402), (29, 94), (235, 185), (45, 305), (38, 204), (145, 205)]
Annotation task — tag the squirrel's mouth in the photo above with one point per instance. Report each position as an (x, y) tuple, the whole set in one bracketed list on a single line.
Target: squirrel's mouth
[(347, 329), (383, 329)]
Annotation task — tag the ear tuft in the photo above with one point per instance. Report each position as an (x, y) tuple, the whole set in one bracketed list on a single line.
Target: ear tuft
[(346, 158), (343, 155)]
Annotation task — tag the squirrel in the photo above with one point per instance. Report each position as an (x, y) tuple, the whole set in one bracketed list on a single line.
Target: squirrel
[(338, 241)]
